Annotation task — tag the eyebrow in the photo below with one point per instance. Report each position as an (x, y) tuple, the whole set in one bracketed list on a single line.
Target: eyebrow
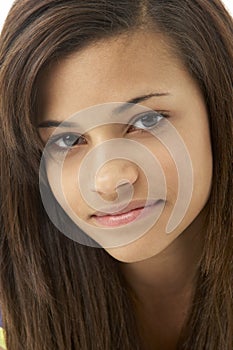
[(127, 105)]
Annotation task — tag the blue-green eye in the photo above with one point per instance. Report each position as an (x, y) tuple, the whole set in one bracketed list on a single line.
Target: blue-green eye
[(146, 121), (66, 141)]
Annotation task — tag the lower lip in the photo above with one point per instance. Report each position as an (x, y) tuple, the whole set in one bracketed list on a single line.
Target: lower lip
[(125, 218)]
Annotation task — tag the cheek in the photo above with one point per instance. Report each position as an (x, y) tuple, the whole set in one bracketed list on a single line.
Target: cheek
[(169, 168), (70, 177), (202, 168), (189, 174), (71, 187), (199, 146), (197, 141), (63, 181)]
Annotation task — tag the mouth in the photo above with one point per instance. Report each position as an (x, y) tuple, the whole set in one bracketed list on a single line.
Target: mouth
[(127, 215)]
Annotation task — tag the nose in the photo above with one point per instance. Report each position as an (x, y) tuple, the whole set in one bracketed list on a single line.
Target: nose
[(114, 174)]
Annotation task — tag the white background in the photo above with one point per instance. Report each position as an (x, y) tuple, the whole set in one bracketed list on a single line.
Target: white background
[(6, 4)]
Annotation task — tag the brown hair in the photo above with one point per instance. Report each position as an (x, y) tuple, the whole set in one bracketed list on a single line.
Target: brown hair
[(56, 293)]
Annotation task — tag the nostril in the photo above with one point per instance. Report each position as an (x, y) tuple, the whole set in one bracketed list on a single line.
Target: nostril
[(123, 182), (114, 176)]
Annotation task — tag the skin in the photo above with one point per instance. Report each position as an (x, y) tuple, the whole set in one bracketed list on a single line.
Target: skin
[(161, 268)]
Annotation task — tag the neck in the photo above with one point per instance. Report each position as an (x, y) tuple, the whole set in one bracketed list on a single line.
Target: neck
[(171, 272), (163, 288)]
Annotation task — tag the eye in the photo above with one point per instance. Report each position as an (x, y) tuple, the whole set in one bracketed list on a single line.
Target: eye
[(146, 121), (66, 141)]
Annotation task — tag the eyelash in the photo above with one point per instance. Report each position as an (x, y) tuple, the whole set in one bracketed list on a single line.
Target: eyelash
[(59, 149)]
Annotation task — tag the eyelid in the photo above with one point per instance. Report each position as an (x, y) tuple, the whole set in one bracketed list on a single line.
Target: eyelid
[(164, 114), (57, 137), (159, 113)]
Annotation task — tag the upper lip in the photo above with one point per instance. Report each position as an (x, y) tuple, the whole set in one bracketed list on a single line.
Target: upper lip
[(133, 205)]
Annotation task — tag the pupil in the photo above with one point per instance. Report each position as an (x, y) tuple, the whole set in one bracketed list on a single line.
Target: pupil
[(149, 120), (70, 140)]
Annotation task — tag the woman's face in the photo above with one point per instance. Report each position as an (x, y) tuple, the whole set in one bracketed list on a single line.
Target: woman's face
[(150, 160)]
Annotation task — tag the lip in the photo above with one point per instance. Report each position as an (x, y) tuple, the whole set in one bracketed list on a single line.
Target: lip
[(132, 205), (127, 215)]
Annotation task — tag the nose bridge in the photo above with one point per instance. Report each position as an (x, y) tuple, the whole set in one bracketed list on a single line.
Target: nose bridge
[(115, 173), (104, 133)]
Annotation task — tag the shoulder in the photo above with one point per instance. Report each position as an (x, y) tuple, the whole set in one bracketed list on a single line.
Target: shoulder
[(2, 339)]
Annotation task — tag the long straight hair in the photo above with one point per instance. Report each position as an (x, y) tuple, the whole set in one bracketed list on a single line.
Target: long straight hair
[(56, 293)]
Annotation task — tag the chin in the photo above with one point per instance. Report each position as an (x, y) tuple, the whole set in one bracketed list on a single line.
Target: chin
[(129, 253)]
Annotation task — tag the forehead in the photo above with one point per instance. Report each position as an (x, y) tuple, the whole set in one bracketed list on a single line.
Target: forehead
[(111, 70)]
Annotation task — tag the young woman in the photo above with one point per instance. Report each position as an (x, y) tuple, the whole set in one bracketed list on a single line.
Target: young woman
[(116, 188)]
